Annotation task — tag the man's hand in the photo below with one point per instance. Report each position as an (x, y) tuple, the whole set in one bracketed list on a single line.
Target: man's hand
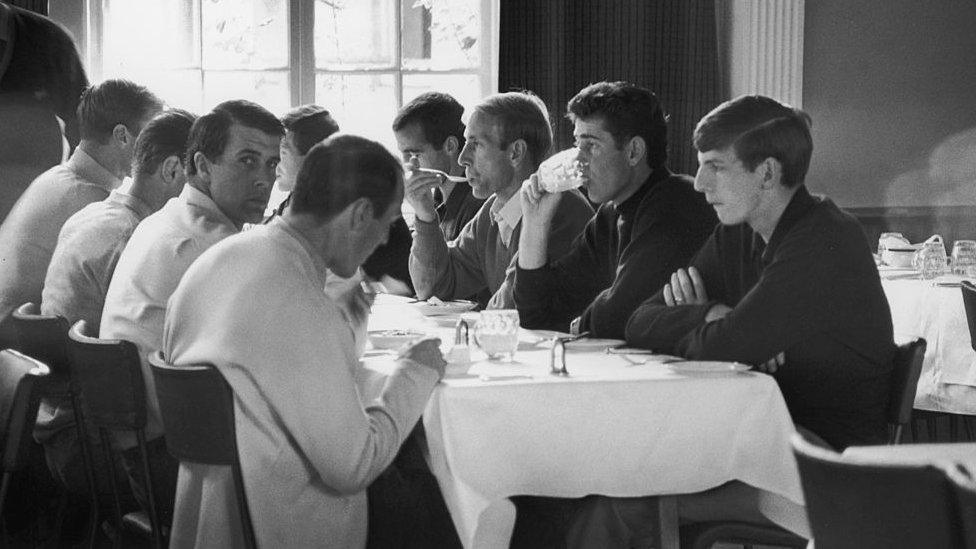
[(358, 304), (417, 191), (538, 206), (773, 364), (685, 288), (426, 352)]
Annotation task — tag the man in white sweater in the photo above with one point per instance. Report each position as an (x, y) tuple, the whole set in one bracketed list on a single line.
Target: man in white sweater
[(253, 306)]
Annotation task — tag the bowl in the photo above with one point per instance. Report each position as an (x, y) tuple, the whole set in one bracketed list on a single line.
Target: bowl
[(393, 339), (899, 257)]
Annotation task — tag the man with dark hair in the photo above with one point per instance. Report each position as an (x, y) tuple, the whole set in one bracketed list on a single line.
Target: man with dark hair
[(649, 223), (253, 306), (430, 135), (111, 115), (232, 153), (507, 137), (84, 259)]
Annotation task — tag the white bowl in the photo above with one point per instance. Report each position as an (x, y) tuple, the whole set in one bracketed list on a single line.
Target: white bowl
[(899, 257), (393, 339)]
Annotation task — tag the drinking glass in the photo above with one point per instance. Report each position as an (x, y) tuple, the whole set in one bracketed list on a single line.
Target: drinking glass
[(497, 333), (931, 260), (964, 258), (562, 171)]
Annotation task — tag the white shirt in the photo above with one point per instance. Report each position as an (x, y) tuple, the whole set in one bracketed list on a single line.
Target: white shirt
[(507, 216), (160, 250), (309, 446)]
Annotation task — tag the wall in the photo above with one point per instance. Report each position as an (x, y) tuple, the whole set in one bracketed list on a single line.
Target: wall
[(891, 87)]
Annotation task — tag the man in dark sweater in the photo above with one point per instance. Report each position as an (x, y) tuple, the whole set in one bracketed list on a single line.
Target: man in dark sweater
[(649, 223)]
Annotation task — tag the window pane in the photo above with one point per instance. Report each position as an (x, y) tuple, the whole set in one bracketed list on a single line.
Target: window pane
[(364, 104), (155, 34), (441, 34), (245, 34), (466, 88), (354, 34), (266, 88), (181, 88)]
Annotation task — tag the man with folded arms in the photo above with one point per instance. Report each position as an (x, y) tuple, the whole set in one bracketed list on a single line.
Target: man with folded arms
[(231, 157), (508, 135), (429, 129), (786, 283), (84, 259), (649, 223), (253, 306), (110, 116)]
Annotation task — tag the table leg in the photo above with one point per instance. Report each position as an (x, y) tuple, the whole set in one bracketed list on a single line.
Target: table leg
[(667, 518)]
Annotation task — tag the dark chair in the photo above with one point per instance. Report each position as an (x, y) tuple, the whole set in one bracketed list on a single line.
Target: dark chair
[(904, 383), (108, 376), (197, 407), (704, 535), (44, 338), (963, 483), (20, 381), (858, 505)]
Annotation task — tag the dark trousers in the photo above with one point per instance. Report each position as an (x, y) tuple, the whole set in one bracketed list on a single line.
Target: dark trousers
[(164, 469)]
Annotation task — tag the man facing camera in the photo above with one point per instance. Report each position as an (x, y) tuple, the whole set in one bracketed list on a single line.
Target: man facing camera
[(231, 158), (649, 223), (507, 137), (430, 135), (253, 306), (88, 249)]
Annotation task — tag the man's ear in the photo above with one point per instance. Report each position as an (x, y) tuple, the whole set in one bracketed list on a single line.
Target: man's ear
[(636, 150), (451, 145), (771, 171), (518, 152), (170, 168), (203, 165), (122, 135), (361, 212)]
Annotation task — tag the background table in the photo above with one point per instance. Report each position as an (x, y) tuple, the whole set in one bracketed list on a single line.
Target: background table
[(920, 308), (610, 428)]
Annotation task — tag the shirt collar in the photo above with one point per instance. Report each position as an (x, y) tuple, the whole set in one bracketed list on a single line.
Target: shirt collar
[(137, 205), (628, 207), (279, 222), (507, 215), (90, 170), (801, 203), (195, 197)]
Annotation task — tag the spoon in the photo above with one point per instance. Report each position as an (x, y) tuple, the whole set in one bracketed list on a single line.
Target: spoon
[(449, 177)]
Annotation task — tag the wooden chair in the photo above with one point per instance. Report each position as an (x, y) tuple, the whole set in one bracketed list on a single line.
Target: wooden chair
[(44, 338), (904, 383), (108, 375), (197, 407), (857, 505), (21, 378)]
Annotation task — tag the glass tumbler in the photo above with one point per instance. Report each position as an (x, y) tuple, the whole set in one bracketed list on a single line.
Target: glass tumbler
[(562, 171), (931, 260), (964, 258), (497, 333)]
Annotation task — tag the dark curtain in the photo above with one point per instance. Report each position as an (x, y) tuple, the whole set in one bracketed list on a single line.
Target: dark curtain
[(556, 47), (37, 6)]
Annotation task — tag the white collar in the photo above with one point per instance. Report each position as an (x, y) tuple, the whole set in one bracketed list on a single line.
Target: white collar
[(507, 215)]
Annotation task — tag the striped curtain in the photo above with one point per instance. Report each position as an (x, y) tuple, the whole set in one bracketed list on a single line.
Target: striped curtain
[(37, 6), (556, 47)]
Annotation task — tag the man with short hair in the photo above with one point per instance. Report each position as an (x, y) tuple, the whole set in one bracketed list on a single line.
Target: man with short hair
[(507, 137), (649, 223), (232, 153), (253, 306), (84, 259), (110, 116), (430, 135)]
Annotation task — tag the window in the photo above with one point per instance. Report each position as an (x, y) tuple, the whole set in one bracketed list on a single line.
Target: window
[(361, 59)]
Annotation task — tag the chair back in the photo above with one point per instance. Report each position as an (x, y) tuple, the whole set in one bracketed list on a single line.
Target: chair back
[(874, 506), (19, 399), (963, 483), (42, 337), (197, 407), (969, 303), (108, 374), (904, 382)]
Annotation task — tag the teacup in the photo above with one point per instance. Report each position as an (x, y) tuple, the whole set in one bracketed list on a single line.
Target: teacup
[(899, 257)]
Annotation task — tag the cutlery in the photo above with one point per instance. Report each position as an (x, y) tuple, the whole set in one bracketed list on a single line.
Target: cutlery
[(484, 377), (447, 176)]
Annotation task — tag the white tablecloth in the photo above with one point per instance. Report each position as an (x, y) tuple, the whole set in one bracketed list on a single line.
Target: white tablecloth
[(921, 308), (610, 428)]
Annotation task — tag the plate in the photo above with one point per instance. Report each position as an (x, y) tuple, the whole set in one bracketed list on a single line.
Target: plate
[(393, 339), (593, 344), (713, 366), (427, 308)]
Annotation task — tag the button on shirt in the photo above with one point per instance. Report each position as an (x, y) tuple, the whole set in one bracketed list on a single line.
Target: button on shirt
[(160, 250), (30, 232)]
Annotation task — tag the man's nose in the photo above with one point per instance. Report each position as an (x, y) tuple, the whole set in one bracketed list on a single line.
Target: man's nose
[(463, 158)]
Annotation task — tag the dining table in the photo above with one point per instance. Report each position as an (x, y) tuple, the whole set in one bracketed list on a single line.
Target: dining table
[(933, 309), (615, 424)]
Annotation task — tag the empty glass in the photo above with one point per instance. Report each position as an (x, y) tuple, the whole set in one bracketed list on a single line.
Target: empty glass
[(497, 333), (931, 260), (562, 171), (964, 258)]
